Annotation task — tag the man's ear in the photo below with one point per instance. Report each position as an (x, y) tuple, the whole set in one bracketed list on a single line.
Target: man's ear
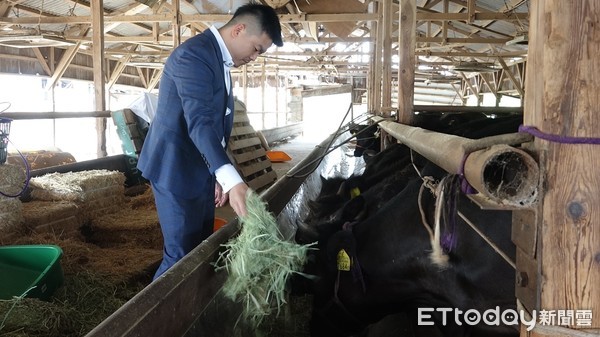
[(238, 29)]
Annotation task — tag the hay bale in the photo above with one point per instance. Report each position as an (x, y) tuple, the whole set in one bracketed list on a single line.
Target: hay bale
[(11, 215), (77, 186), (12, 179), (41, 158), (38, 212), (100, 206), (127, 226), (60, 218)]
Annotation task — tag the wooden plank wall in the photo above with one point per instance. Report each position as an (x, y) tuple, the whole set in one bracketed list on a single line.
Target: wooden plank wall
[(248, 154)]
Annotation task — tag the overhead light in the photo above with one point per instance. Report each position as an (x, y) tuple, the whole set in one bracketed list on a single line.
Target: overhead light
[(33, 41), (519, 39)]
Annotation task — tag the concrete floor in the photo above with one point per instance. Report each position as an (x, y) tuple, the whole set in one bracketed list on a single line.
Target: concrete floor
[(297, 148)]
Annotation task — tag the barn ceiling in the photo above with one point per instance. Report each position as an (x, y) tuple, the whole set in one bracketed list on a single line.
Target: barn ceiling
[(454, 38)]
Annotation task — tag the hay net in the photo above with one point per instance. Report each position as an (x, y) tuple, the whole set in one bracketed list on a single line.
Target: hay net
[(259, 262)]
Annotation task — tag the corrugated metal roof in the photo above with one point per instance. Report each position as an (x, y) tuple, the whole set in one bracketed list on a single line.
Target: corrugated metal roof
[(297, 54)]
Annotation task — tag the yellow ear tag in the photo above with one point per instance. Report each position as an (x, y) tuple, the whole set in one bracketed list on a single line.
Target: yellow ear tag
[(343, 260), (355, 192)]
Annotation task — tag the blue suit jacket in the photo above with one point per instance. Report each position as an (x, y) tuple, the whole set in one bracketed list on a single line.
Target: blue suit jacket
[(183, 147)]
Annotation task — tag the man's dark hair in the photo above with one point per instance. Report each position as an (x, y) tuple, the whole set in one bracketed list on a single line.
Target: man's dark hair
[(266, 17)]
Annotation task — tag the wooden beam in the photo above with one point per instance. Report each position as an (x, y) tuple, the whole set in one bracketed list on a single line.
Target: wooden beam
[(406, 56), (114, 76), (64, 62), (97, 10), (461, 40), (155, 79), (42, 60), (422, 16), (514, 81), (471, 11), (562, 86), (176, 23), (189, 18), (142, 77), (386, 91), (489, 85), (468, 83), (377, 61)]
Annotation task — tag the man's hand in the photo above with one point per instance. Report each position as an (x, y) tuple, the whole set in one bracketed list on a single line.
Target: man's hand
[(237, 198), (220, 197)]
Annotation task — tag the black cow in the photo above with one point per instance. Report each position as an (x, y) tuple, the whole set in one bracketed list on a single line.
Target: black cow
[(367, 139), (393, 270)]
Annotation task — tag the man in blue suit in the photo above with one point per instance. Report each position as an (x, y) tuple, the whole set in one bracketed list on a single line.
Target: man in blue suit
[(184, 155)]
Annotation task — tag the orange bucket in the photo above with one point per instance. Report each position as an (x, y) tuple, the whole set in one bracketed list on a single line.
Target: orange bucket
[(278, 156), (219, 222)]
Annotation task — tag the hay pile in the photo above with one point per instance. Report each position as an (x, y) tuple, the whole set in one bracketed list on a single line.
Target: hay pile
[(259, 262), (135, 227), (12, 179), (101, 273), (96, 192)]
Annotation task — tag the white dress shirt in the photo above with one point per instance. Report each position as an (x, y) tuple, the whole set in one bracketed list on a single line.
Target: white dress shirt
[(226, 175)]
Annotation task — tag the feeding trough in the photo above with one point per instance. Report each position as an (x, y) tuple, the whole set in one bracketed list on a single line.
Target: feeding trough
[(30, 270)]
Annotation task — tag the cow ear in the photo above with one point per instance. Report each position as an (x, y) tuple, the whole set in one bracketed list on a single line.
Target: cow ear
[(306, 234)]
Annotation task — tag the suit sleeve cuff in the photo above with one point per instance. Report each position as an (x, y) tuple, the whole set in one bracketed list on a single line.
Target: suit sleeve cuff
[(228, 177)]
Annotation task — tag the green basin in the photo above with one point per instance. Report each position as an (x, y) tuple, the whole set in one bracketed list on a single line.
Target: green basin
[(27, 266)]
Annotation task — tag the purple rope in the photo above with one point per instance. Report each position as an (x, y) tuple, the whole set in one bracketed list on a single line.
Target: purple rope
[(449, 238), (464, 184), (532, 130)]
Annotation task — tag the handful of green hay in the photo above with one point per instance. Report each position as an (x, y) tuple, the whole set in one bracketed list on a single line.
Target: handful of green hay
[(259, 262)]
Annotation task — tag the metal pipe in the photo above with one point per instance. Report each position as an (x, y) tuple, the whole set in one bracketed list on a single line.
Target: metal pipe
[(506, 175), (460, 108), (55, 115)]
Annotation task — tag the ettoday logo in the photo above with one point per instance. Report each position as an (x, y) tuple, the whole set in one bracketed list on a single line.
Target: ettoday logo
[(508, 317)]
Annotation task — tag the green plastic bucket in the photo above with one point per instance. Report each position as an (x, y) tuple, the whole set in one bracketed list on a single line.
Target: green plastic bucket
[(35, 267)]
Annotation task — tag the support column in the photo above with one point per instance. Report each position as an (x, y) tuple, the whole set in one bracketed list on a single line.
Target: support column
[(97, 12), (562, 86), (406, 54)]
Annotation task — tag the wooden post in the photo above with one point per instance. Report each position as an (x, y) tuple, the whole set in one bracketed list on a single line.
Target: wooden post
[(263, 80), (406, 55), (277, 97), (176, 23), (562, 86), (377, 64), (386, 91), (245, 83), (97, 10)]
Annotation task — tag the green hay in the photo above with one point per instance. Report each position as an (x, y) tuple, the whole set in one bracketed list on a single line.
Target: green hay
[(259, 263)]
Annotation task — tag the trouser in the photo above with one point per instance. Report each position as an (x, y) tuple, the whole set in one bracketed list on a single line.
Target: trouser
[(185, 223)]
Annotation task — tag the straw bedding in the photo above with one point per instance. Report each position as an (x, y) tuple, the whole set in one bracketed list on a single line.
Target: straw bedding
[(100, 276)]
